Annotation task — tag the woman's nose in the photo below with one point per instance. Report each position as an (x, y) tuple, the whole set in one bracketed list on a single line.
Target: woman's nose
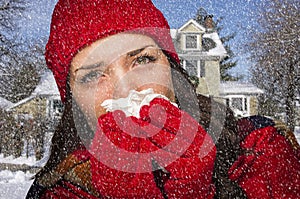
[(140, 78), (124, 84)]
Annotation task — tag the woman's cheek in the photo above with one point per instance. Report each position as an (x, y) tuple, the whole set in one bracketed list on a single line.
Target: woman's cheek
[(85, 101)]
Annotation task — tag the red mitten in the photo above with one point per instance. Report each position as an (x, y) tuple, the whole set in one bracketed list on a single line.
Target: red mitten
[(268, 168), (165, 152), (191, 172)]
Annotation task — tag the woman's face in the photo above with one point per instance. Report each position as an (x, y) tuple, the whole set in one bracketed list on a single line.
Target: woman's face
[(111, 67)]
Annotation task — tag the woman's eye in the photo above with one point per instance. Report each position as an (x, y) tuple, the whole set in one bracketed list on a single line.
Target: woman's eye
[(145, 59), (91, 76)]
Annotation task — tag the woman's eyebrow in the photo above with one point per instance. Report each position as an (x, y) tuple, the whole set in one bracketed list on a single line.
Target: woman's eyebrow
[(92, 66), (137, 51), (99, 64)]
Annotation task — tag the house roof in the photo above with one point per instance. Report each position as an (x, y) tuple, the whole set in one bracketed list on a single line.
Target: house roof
[(4, 103), (196, 24), (23, 101), (236, 88), (218, 50), (173, 33), (47, 85)]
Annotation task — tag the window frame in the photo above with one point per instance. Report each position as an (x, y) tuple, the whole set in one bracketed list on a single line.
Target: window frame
[(184, 64), (186, 43), (245, 103)]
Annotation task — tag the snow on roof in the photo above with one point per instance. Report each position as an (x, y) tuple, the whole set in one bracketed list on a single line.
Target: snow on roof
[(23, 101), (4, 103), (219, 50), (173, 33), (233, 87), (47, 85)]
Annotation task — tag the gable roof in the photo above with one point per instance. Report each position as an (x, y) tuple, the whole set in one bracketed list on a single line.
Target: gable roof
[(23, 101), (4, 103), (239, 88), (46, 88), (47, 85), (193, 22)]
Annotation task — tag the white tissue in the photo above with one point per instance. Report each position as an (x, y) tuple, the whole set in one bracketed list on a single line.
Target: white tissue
[(132, 104)]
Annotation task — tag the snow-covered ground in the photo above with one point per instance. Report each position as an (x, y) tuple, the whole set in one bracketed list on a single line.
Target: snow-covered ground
[(14, 185), (21, 160)]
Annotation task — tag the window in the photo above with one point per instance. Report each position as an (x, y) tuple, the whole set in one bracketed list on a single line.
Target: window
[(57, 106), (237, 103), (191, 67), (191, 42)]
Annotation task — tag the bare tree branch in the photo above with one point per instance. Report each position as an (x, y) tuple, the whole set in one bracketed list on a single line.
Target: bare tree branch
[(275, 50)]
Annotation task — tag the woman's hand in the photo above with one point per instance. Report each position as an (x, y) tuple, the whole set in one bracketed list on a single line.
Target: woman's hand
[(269, 168), (163, 153)]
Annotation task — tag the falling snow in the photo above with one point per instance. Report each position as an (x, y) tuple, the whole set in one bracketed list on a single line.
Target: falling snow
[(29, 29)]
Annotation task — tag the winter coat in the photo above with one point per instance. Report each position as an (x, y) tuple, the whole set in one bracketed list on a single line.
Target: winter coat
[(256, 156), (253, 160)]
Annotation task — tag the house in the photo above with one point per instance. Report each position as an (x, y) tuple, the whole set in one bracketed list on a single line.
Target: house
[(201, 51), (43, 103), (35, 119), (241, 97)]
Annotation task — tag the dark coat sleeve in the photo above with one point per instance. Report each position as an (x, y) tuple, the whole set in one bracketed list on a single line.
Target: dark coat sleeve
[(220, 123)]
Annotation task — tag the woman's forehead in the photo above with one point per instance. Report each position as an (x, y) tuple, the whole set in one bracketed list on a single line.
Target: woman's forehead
[(111, 48)]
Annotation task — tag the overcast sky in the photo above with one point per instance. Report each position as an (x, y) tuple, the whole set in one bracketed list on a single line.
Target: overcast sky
[(239, 17)]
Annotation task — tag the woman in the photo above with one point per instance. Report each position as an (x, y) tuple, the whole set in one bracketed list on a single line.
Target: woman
[(103, 53)]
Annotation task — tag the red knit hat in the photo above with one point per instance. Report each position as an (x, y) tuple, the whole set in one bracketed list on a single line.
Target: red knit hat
[(78, 23)]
